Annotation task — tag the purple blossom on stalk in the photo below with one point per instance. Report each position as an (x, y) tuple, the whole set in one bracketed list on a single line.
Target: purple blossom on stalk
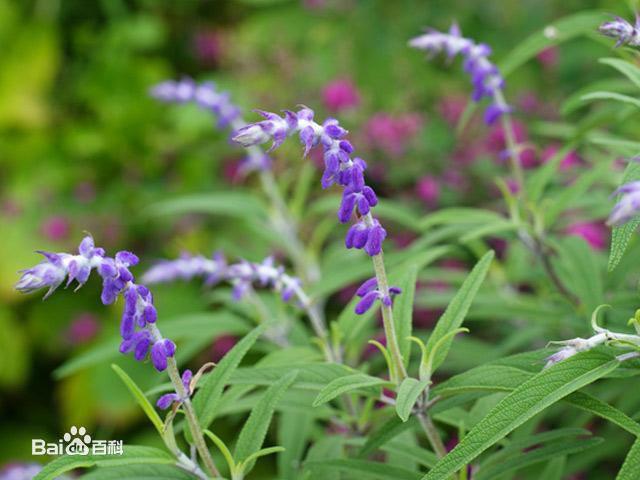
[(242, 275), (485, 76), (340, 168), (167, 399), (137, 328), (209, 98), (369, 293), (628, 205), (622, 31)]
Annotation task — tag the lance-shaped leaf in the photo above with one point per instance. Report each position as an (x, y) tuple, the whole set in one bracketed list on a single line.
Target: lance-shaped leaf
[(631, 467), (346, 384), (205, 402), (529, 399), (255, 428), (456, 310)]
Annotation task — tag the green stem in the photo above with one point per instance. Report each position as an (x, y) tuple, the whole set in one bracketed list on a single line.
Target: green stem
[(432, 434), (399, 372), (192, 420)]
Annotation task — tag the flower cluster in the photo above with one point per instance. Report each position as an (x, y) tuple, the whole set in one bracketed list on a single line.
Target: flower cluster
[(369, 293), (242, 275), (206, 96), (167, 399), (485, 76), (628, 205), (340, 168), (137, 328), (622, 31)]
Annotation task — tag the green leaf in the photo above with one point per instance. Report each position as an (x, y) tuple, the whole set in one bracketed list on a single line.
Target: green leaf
[(385, 433), (595, 406), (233, 203), (631, 467), (294, 430), (459, 215), (223, 449), (346, 384), (454, 315), (537, 455), (579, 270), (527, 400), (311, 376), (138, 472), (568, 195), (255, 428), (207, 397), (141, 399), (617, 97), (408, 393), (403, 311), (628, 69), (621, 235), (132, 455), (364, 469), (564, 29)]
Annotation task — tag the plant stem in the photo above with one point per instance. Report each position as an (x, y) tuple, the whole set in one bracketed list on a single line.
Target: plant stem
[(399, 372), (511, 144), (432, 434), (192, 420)]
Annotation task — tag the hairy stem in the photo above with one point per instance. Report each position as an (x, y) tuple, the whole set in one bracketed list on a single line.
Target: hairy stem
[(399, 372), (192, 420), (432, 434)]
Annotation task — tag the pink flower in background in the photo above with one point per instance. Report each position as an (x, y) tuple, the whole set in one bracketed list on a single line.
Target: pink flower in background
[(391, 133), (83, 329), (451, 108), (221, 346), (570, 160), (55, 228), (207, 46), (232, 171), (548, 58), (428, 190), (594, 233), (11, 208), (340, 95)]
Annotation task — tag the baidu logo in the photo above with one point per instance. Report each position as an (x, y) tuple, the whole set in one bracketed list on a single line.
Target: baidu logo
[(76, 442)]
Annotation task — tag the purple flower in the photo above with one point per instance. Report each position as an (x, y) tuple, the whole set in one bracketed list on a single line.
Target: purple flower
[(242, 275), (340, 168), (628, 205), (622, 31), (485, 77), (57, 266), (366, 236), (207, 97), (137, 327), (167, 399), (369, 293)]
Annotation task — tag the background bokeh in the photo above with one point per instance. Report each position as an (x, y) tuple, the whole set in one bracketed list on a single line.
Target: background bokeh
[(84, 148)]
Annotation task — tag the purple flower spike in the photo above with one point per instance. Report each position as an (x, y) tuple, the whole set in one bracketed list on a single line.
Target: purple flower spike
[(369, 293), (340, 168), (138, 314), (58, 266), (485, 76), (241, 275), (209, 98), (622, 31)]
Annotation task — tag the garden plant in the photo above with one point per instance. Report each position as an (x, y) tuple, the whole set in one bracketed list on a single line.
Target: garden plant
[(482, 324)]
